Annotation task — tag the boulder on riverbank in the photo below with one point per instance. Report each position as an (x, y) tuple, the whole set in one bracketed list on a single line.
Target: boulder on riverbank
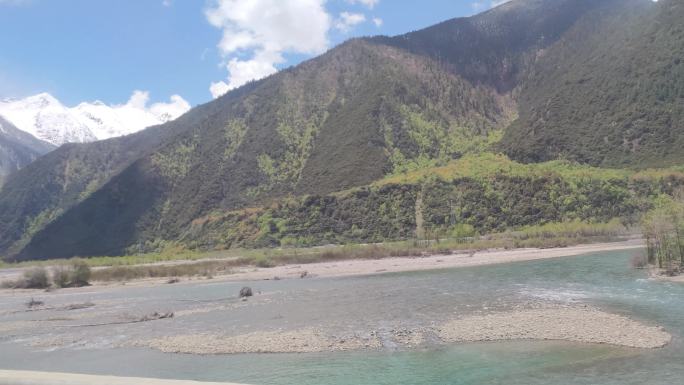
[(246, 292)]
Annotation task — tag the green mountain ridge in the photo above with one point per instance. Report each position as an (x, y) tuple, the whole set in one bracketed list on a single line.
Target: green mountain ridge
[(366, 109)]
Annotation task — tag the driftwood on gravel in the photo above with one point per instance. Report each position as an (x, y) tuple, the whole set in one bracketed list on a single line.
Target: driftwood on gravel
[(77, 306), (156, 316), (36, 306), (34, 303), (150, 317)]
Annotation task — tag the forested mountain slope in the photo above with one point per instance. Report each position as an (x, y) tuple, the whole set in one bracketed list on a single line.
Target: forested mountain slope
[(45, 189), (610, 92), (366, 109), (339, 121)]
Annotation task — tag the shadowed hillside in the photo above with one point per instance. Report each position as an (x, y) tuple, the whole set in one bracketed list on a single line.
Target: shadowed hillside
[(611, 92), (497, 47)]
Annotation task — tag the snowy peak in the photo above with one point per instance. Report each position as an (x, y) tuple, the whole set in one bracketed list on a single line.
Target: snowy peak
[(43, 100), (46, 118)]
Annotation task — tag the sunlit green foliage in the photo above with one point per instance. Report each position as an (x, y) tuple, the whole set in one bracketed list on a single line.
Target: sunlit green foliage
[(478, 194), (174, 162), (485, 165), (435, 141), (235, 133), (297, 134)]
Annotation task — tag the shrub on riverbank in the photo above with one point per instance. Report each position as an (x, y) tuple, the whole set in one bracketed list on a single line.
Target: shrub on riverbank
[(547, 236), (34, 278), (80, 275), (75, 275), (61, 276), (190, 269)]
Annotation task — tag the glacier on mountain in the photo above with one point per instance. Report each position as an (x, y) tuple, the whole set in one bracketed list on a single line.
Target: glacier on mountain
[(46, 118)]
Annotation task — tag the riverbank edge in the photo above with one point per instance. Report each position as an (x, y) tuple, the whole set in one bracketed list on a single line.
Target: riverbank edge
[(17, 377), (369, 267)]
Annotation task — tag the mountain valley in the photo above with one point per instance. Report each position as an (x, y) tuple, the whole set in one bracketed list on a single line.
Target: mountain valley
[(373, 109)]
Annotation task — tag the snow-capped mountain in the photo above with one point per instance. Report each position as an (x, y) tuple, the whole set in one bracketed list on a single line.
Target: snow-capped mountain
[(46, 118)]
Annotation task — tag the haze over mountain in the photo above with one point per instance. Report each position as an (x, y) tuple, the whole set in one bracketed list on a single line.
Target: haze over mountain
[(18, 148), (364, 110), (46, 118)]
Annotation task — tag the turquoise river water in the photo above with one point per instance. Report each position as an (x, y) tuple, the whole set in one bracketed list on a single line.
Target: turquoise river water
[(603, 279)]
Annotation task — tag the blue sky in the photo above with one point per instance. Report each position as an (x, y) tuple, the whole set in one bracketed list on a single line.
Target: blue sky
[(86, 50)]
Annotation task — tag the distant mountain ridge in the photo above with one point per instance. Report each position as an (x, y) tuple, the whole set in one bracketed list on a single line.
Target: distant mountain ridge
[(18, 148), (498, 46), (365, 109), (46, 118)]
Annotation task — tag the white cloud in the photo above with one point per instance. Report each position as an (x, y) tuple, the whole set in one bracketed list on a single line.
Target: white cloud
[(257, 33), (243, 71), (348, 20), (138, 100), (176, 106), (167, 3), (218, 89), (133, 116), (378, 22), (481, 5), (368, 3), (496, 3)]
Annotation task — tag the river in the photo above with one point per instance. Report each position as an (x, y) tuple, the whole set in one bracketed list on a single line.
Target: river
[(56, 340)]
